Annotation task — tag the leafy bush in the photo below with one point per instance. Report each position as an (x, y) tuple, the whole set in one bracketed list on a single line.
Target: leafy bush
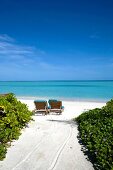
[(15, 115), (2, 151), (96, 132)]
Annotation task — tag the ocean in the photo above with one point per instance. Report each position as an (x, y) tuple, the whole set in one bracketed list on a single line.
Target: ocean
[(64, 90)]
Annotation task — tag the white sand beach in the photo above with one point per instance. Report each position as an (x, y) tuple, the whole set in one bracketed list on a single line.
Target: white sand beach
[(50, 142)]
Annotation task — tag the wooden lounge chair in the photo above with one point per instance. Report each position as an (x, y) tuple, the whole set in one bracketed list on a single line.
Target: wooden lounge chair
[(41, 106), (56, 106)]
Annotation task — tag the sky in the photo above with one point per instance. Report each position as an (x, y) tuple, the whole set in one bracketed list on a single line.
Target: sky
[(56, 40)]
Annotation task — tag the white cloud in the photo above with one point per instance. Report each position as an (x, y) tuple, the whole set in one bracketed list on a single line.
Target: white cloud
[(5, 37), (27, 61), (11, 51), (20, 62), (25, 57)]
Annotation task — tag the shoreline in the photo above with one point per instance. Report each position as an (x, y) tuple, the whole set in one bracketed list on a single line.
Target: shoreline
[(71, 108), (63, 99)]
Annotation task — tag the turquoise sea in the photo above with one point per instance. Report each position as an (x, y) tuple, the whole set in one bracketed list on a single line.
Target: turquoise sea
[(68, 90)]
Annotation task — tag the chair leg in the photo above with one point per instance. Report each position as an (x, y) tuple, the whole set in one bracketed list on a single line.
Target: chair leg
[(60, 112), (46, 112)]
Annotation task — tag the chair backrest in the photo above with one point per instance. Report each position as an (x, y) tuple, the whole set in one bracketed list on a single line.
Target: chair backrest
[(52, 100), (40, 104), (55, 104)]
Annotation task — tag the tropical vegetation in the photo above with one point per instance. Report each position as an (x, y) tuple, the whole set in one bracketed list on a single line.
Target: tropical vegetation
[(96, 133), (14, 115)]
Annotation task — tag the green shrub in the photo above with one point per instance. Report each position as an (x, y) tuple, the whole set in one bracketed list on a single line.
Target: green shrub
[(2, 151), (15, 116), (96, 131)]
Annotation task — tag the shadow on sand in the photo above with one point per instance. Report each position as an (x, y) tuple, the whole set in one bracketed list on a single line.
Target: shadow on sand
[(90, 156), (70, 122)]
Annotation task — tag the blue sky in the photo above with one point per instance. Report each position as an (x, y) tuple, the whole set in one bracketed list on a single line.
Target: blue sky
[(56, 40)]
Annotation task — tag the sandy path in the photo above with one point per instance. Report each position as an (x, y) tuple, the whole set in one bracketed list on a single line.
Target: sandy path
[(50, 142)]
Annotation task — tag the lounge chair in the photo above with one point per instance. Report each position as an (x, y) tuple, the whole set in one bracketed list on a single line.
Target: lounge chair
[(41, 106), (55, 106)]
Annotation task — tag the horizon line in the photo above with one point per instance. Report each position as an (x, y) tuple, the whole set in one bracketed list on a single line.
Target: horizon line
[(48, 80)]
